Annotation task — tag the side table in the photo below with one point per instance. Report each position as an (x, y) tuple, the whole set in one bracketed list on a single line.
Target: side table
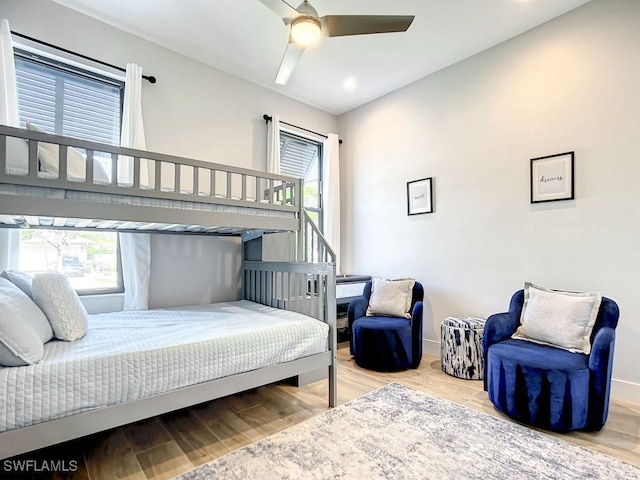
[(461, 346)]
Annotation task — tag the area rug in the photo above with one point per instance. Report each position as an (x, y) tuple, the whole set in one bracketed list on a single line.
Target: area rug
[(399, 433)]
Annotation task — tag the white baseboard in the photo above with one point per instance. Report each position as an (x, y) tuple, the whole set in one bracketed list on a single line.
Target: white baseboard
[(625, 391), (620, 389), (430, 347)]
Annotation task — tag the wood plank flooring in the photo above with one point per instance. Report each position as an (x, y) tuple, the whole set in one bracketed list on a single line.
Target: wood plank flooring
[(162, 447)]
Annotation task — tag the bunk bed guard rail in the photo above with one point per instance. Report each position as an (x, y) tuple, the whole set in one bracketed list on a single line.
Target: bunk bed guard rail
[(36, 159)]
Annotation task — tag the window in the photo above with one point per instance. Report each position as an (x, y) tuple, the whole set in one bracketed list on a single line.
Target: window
[(90, 260), (66, 100), (301, 157)]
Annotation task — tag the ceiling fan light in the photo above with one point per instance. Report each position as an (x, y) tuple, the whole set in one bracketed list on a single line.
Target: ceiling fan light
[(306, 31)]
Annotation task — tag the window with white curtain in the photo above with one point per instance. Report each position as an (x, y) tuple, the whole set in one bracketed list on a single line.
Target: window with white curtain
[(302, 158), (66, 100)]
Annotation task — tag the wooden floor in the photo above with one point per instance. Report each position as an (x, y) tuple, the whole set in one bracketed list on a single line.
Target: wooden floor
[(165, 446)]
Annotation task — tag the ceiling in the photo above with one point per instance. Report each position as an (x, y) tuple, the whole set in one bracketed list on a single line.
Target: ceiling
[(245, 38)]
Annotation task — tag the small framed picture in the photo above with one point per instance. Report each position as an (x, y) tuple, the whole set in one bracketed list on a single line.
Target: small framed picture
[(420, 196), (552, 178)]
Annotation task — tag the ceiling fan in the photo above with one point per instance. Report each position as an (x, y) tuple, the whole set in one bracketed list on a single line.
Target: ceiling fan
[(307, 27)]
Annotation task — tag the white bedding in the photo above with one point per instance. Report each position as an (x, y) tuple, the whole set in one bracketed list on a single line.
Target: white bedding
[(130, 355)]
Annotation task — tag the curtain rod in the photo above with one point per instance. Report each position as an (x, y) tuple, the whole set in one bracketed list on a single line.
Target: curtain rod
[(149, 78), (268, 118)]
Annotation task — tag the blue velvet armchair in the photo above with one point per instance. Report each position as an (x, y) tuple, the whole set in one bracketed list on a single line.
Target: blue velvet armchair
[(386, 343), (544, 386)]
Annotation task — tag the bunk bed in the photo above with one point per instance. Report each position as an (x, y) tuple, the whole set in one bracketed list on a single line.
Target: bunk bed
[(126, 190)]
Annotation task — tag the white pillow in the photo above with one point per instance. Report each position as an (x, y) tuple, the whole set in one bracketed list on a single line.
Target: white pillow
[(23, 327), (391, 298), (54, 294), (19, 279), (49, 155), (17, 156), (560, 319)]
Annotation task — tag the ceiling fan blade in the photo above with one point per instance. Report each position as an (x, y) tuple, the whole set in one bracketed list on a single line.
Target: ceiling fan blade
[(289, 61), (280, 8), (342, 25)]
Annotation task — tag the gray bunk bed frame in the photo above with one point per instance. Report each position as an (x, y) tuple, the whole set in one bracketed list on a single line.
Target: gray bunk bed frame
[(306, 285)]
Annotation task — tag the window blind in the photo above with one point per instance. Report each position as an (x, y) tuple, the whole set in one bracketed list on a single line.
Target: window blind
[(66, 102), (297, 155)]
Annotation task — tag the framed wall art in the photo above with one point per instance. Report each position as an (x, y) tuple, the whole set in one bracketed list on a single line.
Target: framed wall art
[(552, 178), (420, 196)]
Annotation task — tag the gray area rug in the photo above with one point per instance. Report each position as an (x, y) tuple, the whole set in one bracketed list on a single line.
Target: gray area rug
[(400, 433)]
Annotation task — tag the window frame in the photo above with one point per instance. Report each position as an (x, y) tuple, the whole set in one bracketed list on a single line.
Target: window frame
[(119, 288), (55, 63), (319, 142), (45, 60)]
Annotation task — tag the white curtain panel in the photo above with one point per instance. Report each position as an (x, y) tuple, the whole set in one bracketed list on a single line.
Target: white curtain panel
[(132, 125), (331, 194), (9, 248), (9, 238), (273, 144), (8, 90), (135, 251), (135, 248), (279, 246)]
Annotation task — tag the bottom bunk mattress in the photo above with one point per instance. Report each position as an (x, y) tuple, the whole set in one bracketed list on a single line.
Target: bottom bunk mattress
[(126, 356)]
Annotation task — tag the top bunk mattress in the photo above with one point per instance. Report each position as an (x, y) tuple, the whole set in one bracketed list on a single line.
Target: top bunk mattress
[(126, 356)]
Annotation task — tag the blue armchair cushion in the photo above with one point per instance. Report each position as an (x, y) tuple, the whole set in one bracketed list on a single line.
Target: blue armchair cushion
[(383, 343), (540, 385)]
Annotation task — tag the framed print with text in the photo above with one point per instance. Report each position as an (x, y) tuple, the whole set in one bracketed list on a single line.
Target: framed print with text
[(552, 178), (420, 196)]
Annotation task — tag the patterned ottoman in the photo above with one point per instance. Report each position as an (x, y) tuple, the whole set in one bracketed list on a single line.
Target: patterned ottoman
[(461, 346)]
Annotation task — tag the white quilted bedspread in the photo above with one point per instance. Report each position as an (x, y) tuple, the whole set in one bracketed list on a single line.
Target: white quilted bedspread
[(130, 355)]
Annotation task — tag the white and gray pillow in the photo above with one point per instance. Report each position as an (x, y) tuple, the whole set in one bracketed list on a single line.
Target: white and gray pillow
[(24, 329), (557, 318), (19, 279), (54, 294), (391, 298)]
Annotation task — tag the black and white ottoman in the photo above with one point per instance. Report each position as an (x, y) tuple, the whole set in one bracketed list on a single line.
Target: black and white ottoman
[(461, 346)]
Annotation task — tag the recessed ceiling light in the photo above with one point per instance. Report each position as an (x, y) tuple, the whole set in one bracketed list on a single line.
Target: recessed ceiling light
[(349, 84)]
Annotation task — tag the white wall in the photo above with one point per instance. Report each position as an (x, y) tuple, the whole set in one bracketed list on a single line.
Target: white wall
[(194, 111), (211, 264), (571, 84)]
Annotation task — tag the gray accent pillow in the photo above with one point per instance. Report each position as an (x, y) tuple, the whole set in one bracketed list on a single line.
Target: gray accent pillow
[(559, 319), (24, 329), (19, 279), (54, 294), (391, 298)]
